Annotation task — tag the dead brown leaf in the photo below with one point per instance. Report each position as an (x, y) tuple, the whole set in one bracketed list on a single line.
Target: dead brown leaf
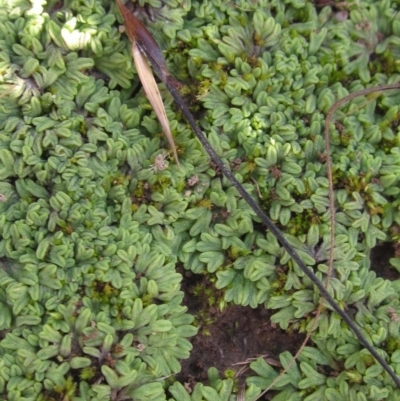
[(143, 44)]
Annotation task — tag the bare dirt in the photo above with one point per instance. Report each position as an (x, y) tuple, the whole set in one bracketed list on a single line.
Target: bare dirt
[(380, 256), (231, 339)]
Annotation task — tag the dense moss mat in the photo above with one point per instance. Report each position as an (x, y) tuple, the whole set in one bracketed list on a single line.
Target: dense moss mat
[(96, 217)]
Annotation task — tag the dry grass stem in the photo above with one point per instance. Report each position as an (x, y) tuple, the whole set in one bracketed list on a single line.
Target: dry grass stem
[(153, 94), (144, 45)]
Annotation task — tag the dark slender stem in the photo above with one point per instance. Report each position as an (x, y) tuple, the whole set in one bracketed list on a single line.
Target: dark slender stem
[(270, 225)]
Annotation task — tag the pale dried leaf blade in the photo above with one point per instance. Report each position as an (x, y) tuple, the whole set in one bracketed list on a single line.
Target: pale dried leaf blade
[(136, 31), (153, 94)]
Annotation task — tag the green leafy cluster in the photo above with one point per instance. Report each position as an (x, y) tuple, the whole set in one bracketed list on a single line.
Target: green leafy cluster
[(309, 379), (267, 101), (91, 306), (92, 225)]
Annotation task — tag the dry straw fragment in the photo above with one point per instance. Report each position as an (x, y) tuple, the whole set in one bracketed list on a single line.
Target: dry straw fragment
[(144, 44)]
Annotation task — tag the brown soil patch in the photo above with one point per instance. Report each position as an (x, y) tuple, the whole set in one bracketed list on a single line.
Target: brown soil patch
[(229, 339), (380, 264)]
